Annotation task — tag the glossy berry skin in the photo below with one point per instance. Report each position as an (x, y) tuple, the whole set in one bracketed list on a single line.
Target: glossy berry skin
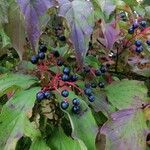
[(59, 62), (101, 84), (73, 78), (76, 101), (64, 105), (86, 69), (98, 72), (65, 93), (93, 85), (103, 69), (131, 30), (87, 85), (148, 42), (143, 23), (139, 49), (40, 96), (62, 38), (55, 53), (66, 70), (65, 77), (91, 98), (76, 109), (135, 25), (138, 43), (88, 91), (42, 48), (122, 15), (48, 94), (41, 55), (34, 59)]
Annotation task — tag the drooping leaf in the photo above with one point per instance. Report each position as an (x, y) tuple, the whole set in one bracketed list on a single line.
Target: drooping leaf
[(60, 141), (9, 82), (39, 144), (33, 11), (15, 28), (127, 94), (80, 17), (127, 130), (13, 118), (3, 12)]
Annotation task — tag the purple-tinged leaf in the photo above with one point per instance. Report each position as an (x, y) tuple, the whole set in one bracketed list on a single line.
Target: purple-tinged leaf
[(126, 130), (33, 10), (80, 16)]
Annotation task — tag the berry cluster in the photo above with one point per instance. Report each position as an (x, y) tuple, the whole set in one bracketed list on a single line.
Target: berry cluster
[(43, 95), (139, 47)]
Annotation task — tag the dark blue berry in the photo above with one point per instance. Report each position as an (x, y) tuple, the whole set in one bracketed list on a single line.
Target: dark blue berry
[(34, 59), (87, 85), (66, 70), (143, 23), (65, 93), (103, 69), (139, 49), (55, 53), (88, 91), (48, 94), (62, 38), (91, 98), (101, 84), (122, 15), (76, 109), (40, 96), (138, 43), (98, 72), (131, 30), (76, 101), (59, 62), (135, 25), (148, 42), (73, 78), (64, 105), (41, 55), (86, 69), (93, 85), (42, 48), (65, 77)]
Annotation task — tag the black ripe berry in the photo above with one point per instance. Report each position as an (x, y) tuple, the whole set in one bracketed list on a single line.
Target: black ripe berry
[(101, 84), (73, 78), (65, 77), (55, 53), (76, 109), (135, 25), (138, 43), (88, 91), (42, 48), (62, 38), (66, 70), (143, 23), (40, 96), (91, 98), (93, 85), (98, 72), (76, 101), (59, 62), (86, 69), (87, 85), (41, 55), (103, 69), (48, 94), (148, 42), (139, 49), (65, 93), (34, 59), (131, 30), (64, 105)]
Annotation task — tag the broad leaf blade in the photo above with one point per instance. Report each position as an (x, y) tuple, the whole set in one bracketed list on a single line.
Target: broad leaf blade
[(3, 12)]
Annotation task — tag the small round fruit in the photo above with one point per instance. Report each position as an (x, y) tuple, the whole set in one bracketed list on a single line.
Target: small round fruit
[(42, 48), (91, 98), (48, 94), (55, 53), (41, 55), (103, 69), (34, 59), (62, 38), (66, 70), (131, 30), (76, 109), (143, 23), (73, 78), (98, 72), (40, 96), (88, 91), (65, 77), (122, 15), (101, 84), (139, 49), (93, 85), (86, 69), (76, 101), (135, 25), (65, 93), (138, 43), (148, 42), (59, 62), (64, 105), (87, 85)]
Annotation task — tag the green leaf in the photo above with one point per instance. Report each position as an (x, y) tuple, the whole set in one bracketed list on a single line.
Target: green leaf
[(127, 94), (131, 3), (13, 118), (9, 82), (3, 12), (83, 125), (60, 141), (39, 144)]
